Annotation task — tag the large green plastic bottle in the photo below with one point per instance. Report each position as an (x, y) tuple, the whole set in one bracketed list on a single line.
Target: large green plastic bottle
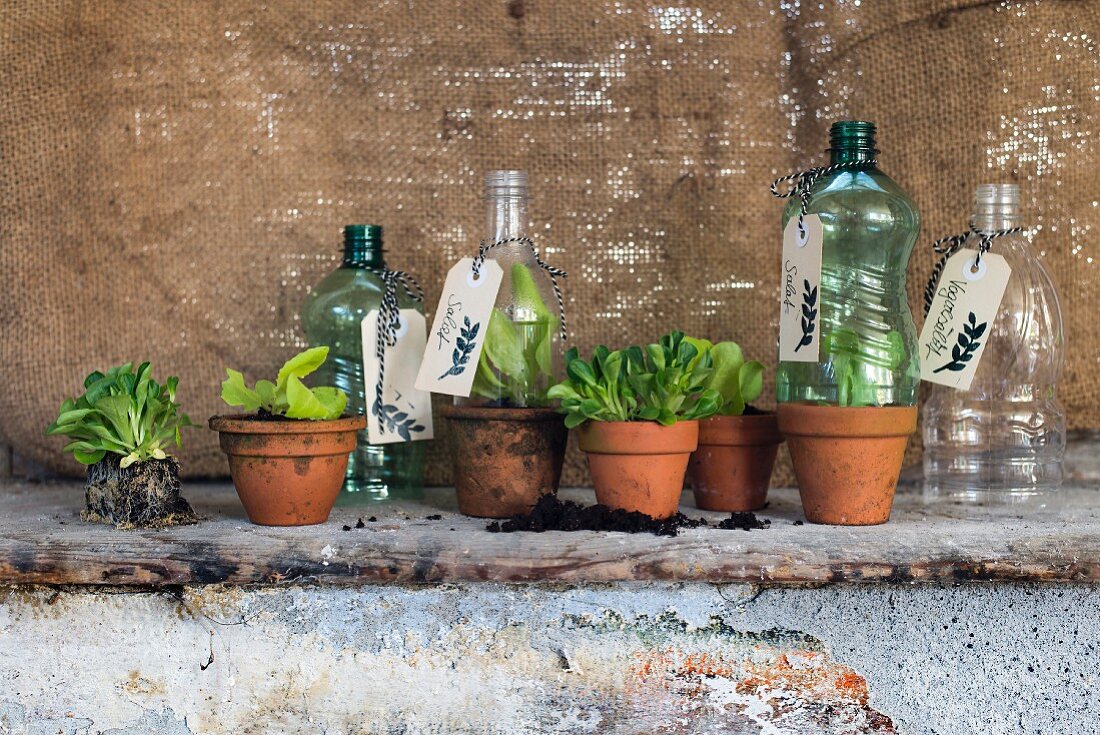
[(332, 315), (869, 353)]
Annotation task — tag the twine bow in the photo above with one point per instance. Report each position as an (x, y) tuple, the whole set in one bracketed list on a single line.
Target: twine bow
[(948, 246), (804, 181), (554, 273), (389, 322)]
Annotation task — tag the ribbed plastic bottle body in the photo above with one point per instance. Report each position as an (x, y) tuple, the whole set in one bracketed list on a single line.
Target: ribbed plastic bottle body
[(332, 316), (1007, 433), (868, 353)]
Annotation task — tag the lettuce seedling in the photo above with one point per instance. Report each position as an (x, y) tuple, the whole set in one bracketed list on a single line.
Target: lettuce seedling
[(121, 412), (515, 363), (858, 366), (737, 380), (664, 382), (288, 396)]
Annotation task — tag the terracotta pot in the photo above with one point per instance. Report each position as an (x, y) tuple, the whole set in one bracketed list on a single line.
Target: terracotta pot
[(287, 473), (504, 459), (639, 465), (847, 460), (732, 467)]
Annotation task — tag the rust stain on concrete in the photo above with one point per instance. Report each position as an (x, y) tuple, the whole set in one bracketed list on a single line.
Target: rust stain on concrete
[(801, 690)]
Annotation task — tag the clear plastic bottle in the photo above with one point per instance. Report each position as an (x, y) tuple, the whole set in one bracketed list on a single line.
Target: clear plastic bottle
[(518, 360), (333, 315), (1004, 439)]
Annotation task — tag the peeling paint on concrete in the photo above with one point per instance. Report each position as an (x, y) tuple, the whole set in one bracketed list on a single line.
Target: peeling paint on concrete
[(627, 659)]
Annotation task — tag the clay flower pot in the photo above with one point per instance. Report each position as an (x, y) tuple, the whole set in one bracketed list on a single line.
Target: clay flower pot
[(639, 465), (732, 467), (504, 459), (287, 473), (847, 460)]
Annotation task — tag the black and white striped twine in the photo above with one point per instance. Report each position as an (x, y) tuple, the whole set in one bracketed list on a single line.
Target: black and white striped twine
[(554, 273), (804, 181), (389, 323), (948, 246)]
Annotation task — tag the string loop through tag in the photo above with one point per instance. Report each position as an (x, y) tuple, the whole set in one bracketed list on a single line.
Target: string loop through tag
[(554, 273), (947, 246), (803, 182), (389, 324)]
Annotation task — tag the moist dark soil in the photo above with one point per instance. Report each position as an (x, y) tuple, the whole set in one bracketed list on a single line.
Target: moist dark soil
[(553, 514), (753, 411), (743, 522), (264, 415), (143, 495)]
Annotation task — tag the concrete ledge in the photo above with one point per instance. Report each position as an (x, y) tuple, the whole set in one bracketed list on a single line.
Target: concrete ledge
[(490, 659), (43, 541)]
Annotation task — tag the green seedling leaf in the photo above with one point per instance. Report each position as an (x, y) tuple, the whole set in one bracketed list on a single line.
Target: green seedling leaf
[(301, 365), (333, 399), (236, 393), (503, 347), (302, 403), (267, 392), (288, 396), (664, 382), (752, 380), (122, 412), (526, 294)]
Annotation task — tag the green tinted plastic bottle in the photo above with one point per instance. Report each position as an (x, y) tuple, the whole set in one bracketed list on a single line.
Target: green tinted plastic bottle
[(868, 342), (332, 316)]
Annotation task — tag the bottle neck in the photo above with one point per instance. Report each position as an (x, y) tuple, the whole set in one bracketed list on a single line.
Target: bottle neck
[(507, 216), (361, 254), (989, 217), (851, 155)]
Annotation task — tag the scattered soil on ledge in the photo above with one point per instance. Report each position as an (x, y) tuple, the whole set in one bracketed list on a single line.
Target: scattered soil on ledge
[(553, 514), (743, 522)]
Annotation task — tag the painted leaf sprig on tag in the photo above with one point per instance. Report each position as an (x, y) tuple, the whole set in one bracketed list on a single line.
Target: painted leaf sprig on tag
[(809, 315), (968, 343), (464, 347), (398, 421)]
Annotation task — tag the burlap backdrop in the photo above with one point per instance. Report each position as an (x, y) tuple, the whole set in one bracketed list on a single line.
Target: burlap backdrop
[(176, 174)]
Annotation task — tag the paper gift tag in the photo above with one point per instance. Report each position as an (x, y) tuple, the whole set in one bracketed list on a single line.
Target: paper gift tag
[(799, 325), (957, 326), (406, 411), (458, 330)]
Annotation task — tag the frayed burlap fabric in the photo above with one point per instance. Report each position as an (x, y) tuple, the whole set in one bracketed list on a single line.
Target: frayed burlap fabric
[(176, 174)]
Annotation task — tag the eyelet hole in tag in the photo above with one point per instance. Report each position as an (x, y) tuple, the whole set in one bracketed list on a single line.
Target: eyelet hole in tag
[(459, 328), (974, 270), (959, 322), (800, 307), (402, 325)]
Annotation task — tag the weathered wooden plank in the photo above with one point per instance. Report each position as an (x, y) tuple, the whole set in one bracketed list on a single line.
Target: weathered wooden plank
[(42, 540)]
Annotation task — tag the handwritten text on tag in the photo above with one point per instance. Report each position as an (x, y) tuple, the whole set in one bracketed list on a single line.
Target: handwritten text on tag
[(800, 310), (459, 329), (405, 413), (963, 311)]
